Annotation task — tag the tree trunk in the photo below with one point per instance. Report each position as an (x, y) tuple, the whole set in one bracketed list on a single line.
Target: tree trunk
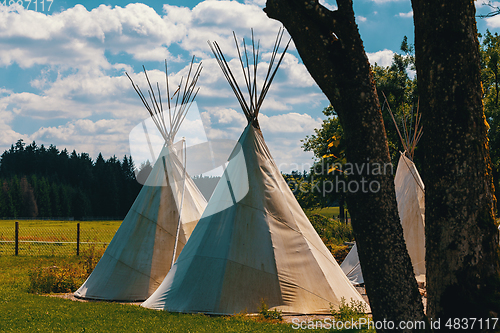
[(462, 251), (331, 48), (341, 209)]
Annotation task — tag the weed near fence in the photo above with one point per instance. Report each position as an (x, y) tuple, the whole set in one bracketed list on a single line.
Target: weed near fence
[(57, 238)]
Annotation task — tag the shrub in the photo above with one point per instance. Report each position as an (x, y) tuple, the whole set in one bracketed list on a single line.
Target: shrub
[(64, 279), (90, 257), (339, 252), (269, 315), (55, 279), (346, 312)]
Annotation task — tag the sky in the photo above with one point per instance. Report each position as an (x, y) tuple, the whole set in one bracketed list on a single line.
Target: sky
[(63, 64)]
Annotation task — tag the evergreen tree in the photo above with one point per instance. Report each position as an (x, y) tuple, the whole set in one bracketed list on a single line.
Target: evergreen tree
[(29, 206)]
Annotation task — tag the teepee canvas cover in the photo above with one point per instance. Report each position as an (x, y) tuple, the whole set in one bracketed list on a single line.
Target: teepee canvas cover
[(411, 207), (140, 254), (260, 248), (351, 267)]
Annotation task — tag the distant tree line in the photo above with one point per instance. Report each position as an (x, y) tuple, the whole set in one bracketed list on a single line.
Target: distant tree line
[(36, 181)]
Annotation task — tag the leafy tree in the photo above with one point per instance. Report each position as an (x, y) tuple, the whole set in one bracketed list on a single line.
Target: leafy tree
[(332, 50), (490, 78), (328, 143), (303, 188), (462, 249)]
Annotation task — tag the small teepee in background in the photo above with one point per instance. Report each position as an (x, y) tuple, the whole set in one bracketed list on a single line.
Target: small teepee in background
[(162, 217), (259, 248), (410, 195)]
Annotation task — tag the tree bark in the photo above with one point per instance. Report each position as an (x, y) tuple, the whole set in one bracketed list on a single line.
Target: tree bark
[(331, 48), (462, 252)]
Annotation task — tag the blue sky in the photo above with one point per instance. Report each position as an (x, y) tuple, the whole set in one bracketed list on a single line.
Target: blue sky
[(62, 70)]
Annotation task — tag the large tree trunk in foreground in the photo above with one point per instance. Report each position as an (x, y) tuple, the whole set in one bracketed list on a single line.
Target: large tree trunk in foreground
[(331, 49), (461, 236)]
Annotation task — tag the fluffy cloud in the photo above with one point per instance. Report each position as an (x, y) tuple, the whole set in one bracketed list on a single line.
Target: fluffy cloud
[(382, 58), (481, 6), (282, 133), (301, 124), (109, 136), (406, 15), (328, 5), (83, 100), (77, 37)]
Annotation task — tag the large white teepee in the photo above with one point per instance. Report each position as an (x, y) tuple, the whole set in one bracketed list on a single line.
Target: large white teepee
[(261, 248), (159, 222), (410, 195)]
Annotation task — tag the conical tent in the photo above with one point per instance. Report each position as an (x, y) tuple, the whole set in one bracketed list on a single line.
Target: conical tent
[(253, 243), (352, 268), (158, 224), (410, 196), (411, 208)]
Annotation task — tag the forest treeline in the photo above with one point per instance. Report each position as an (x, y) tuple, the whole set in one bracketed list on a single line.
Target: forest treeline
[(44, 182), (41, 182)]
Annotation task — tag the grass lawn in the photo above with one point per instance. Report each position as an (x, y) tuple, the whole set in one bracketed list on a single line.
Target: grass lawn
[(331, 212), (40, 237), (24, 312)]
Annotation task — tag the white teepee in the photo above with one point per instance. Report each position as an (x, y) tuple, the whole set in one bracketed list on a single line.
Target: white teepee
[(253, 243), (410, 195), (159, 222)]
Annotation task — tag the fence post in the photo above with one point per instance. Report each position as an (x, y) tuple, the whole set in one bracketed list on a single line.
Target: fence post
[(17, 239), (78, 239)]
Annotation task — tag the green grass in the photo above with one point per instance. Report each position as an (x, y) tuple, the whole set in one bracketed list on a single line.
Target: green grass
[(331, 212), (40, 237), (21, 311), (24, 312)]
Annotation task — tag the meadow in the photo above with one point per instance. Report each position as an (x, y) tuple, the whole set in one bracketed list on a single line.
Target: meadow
[(330, 212), (45, 237), (24, 308)]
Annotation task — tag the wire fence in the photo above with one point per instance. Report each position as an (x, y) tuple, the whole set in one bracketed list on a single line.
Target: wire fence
[(54, 238)]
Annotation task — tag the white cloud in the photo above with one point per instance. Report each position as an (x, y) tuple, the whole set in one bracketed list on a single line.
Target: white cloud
[(77, 37), (283, 134), (86, 103), (492, 22), (108, 136), (8, 136), (328, 5), (289, 123), (382, 58), (361, 18), (406, 15), (260, 3), (483, 5)]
